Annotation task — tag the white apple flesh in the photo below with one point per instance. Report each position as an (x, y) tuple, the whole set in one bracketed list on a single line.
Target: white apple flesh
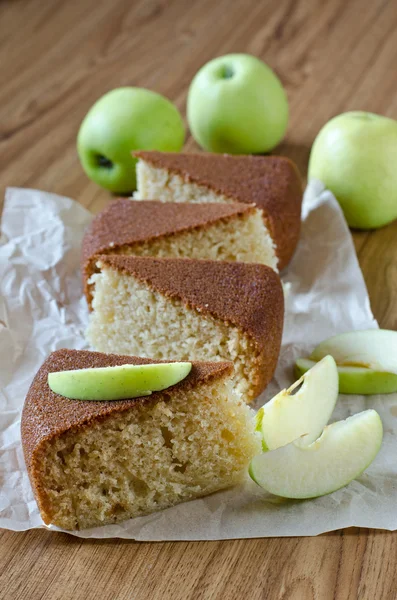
[(343, 451), (374, 349), (289, 415), (117, 383), (356, 380)]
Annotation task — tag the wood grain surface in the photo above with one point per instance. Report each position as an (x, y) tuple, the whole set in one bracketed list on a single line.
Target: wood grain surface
[(57, 58)]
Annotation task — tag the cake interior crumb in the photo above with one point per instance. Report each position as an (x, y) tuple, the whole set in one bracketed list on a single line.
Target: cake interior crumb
[(157, 183), (128, 317), (149, 457)]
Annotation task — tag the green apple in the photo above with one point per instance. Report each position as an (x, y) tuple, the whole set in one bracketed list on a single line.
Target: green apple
[(124, 120), (343, 451), (236, 104), (288, 416), (355, 156), (117, 383), (356, 380)]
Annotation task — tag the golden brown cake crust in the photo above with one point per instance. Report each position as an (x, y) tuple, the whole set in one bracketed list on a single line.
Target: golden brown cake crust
[(47, 415), (125, 222), (272, 183), (247, 295)]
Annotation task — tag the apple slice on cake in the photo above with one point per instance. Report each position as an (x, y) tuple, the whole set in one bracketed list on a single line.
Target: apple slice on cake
[(117, 382)]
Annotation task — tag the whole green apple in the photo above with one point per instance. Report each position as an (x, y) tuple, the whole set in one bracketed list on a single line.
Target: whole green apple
[(124, 120), (237, 105), (355, 156)]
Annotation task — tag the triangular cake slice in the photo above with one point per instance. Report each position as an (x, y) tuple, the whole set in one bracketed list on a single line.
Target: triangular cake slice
[(183, 309), (272, 183), (234, 232), (92, 463)]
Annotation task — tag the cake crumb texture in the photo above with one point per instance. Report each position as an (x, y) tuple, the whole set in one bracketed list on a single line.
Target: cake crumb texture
[(190, 310), (112, 461), (272, 183), (142, 229)]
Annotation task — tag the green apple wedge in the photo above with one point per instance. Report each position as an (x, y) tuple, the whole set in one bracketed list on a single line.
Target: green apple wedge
[(117, 383), (343, 451), (306, 412), (372, 351), (370, 348), (355, 380)]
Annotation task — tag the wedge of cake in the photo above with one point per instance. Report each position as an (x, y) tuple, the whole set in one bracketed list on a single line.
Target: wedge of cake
[(234, 232), (272, 183), (92, 463), (183, 309)]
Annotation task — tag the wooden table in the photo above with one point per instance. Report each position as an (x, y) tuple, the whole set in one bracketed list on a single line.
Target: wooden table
[(57, 58)]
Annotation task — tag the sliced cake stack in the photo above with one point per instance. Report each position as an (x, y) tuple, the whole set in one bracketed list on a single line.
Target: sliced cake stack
[(231, 232), (194, 281), (272, 183), (192, 276)]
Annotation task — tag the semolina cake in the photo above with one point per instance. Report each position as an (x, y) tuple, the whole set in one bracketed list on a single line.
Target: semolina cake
[(93, 463), (184, 309), (234, 232), (272, 183)]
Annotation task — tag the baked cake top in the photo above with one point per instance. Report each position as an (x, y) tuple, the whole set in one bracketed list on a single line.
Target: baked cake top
[(272, 183), (46, 415), (247, 295), (126, 222)]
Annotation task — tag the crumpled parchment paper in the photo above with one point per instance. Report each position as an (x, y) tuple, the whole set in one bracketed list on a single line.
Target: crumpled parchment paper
[(41, 309)]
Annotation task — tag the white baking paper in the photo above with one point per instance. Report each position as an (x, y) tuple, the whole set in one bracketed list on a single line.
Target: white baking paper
[(41, 309)]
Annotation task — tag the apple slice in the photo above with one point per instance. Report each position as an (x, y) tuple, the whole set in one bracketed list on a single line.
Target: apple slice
[(374, 349), (355, 380), (117, 383), (289, 416), (371, 356), (343, 451)]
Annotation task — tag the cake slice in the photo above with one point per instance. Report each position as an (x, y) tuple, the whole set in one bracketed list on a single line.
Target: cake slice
[(272, 183), (92, 463), (183, 309), (151, 228)]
